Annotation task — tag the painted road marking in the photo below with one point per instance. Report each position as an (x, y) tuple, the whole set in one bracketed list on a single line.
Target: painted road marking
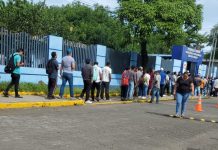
[(196, 119)]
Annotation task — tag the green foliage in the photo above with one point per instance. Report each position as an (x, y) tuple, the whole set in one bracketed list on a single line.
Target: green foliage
[(165, 21), (41, 87), (158, 23), (74, 22)]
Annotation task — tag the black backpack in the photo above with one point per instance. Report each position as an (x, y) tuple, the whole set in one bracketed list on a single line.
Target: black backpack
[(10, 67), (49, 67)]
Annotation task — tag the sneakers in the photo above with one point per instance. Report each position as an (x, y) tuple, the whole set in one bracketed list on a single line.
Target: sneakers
[(72, 98), (177, 116), (139, 97), (143, 97), (59, 97), (50, 97), (97, 99), (80, 98), (88, 102), (18, 96), (5, 94)]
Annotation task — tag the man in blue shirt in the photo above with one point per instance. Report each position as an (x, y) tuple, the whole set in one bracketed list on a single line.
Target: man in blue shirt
[(162, 81), (15, 76)]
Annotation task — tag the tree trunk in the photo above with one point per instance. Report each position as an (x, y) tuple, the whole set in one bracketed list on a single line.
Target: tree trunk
[(144, 54)]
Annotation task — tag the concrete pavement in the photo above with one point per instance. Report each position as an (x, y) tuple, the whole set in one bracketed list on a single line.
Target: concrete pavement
[(109, 127)]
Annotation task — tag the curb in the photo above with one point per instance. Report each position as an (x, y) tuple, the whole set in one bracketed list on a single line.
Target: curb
[(40, 104), (43, 94), (110, 103), (71, 103)]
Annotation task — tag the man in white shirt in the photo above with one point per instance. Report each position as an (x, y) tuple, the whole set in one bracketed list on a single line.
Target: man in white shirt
[(97, 76), (106, 79)]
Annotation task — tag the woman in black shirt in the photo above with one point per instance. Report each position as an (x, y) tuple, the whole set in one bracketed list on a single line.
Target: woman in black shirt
[(183, 89)]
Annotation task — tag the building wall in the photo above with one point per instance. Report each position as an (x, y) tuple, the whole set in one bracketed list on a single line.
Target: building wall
[(34, 75)]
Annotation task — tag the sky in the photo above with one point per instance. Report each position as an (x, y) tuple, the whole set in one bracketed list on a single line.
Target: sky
[(210, 10)]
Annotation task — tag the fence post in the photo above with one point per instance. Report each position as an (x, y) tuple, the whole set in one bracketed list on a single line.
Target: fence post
[(133, 59), (55, 45), (101, 55)]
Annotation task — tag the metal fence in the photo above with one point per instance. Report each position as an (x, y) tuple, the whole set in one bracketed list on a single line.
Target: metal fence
[(80, 52), (36, 48), (36, 51), (119, 60)]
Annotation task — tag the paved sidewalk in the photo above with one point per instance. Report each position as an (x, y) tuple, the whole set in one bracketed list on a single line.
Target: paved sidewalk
[(40, 101)]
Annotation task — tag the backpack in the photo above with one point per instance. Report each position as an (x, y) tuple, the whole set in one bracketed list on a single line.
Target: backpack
[(125, 79), (10, 67), (95, 73), (49, 67), (197, 82)]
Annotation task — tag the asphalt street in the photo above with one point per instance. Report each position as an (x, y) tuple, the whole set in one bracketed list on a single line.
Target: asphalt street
[(109, 127)]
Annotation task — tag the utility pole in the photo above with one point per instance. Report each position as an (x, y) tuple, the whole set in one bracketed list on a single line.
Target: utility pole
[(212, 55)]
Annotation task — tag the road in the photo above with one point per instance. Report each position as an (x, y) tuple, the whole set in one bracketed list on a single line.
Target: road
[(109, 127)]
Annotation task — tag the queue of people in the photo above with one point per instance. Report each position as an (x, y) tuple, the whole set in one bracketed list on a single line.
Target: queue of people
[(93, 78), (135, 83)]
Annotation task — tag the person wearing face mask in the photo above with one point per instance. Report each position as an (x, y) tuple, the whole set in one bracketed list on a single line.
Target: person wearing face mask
[(183, 89)]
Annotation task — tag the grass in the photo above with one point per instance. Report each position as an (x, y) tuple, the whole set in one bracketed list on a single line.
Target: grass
[(42, 88)]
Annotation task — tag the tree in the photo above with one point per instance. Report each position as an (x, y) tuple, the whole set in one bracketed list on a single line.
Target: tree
[(170, 19), (211, 38)]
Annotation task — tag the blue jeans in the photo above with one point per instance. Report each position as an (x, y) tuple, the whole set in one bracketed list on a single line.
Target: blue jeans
[(131, 89), (141, 90), (67, 77), (197, 90), (181, 98), (155, 93), (145, 90)]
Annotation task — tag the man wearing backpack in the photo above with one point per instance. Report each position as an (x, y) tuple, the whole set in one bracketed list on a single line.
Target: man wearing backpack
[(66, 72), (96, 84), (15, 74), (52, 71)]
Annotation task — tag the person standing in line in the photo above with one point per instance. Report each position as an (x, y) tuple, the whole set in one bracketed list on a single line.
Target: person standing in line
[(215, 86), (146, 84), (162, 82), (124, 84), (202, 85), (137, 75), (87, 75), (135, 93), (174, 78), (52, 71), (15, 75), (183, 89), (156, 87), (131, 83), (96, 84), (106, 79), (137, 78), (167, 84), (151, 73), (197, 83), (66, 72)]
